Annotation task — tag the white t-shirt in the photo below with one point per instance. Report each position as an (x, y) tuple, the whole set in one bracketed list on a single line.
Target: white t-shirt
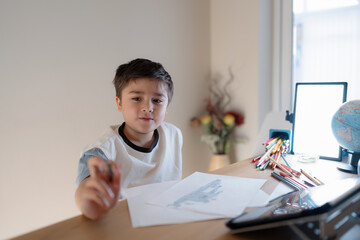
[(161, 162)]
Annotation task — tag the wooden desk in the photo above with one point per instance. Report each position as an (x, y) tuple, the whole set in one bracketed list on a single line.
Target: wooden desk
[(117, 224)]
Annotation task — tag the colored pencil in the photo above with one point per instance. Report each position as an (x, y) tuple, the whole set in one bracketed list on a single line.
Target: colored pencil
[(282, 155), (321, 182), (264, 157), (294, 172), (282, 179), (309, 184), (292, 179), (256, 159), (281, 167), (268, 141), (309, 177)]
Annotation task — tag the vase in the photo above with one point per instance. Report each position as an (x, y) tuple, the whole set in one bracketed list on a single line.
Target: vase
[(218, 161)]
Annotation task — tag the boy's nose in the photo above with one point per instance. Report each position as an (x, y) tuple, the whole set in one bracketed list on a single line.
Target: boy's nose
[(147, 107)]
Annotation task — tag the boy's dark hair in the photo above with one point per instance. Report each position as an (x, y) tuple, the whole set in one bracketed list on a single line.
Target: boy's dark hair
[(141, 68)]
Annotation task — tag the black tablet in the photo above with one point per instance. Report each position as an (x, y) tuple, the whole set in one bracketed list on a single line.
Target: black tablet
[(296, 206)]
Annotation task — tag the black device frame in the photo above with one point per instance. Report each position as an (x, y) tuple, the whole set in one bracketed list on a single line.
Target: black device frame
[(293, 117), (329, 217)]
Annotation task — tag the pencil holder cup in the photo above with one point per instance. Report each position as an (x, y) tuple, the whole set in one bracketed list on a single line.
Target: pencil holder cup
[(283, 133)]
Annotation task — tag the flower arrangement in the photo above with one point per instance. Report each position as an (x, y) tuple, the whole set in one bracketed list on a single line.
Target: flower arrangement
[(217, 125)]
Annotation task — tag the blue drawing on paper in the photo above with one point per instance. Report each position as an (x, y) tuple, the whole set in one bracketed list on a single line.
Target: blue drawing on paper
[(204, 194)]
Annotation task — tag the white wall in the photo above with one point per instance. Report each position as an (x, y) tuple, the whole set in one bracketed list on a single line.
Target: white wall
[(265, 56), (234, 43), (57, 61)]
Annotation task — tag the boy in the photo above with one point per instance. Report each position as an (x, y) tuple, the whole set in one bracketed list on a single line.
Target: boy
[(142, 150)]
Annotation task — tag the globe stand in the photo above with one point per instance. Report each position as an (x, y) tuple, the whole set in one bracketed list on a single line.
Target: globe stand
[(350, 167)]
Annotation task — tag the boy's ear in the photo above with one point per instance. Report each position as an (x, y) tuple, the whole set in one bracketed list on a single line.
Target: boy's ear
[(118, 103)]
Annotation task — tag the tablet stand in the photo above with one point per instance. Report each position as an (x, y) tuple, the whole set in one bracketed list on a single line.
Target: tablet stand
[(333, 224)]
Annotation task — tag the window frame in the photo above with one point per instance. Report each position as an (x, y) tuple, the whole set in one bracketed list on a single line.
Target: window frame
[(282, 98)]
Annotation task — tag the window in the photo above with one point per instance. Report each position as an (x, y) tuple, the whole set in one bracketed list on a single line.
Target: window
[(326, 43)]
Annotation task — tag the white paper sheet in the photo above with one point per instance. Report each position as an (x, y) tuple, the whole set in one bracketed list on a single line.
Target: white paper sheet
[(220, 195), (280, 190), (143, 214), (260, 199)]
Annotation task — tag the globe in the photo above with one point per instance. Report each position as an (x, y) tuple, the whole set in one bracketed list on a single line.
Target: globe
[(345, 126)]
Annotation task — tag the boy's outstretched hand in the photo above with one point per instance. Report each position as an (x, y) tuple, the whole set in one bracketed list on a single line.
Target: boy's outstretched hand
[(97, 194)]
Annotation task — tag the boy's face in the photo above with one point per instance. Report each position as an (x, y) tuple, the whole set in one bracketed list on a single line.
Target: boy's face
[(143, 104)]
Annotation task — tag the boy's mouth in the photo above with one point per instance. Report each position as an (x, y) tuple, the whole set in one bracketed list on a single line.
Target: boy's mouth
[(146, 118)]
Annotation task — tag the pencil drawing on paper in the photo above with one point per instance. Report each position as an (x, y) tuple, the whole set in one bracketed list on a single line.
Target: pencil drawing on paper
[(204, 194)]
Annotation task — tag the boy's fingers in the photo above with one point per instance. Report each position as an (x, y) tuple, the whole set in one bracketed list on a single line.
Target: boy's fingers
[(101, 168), (97, 167), (102, 187), (99, 199)]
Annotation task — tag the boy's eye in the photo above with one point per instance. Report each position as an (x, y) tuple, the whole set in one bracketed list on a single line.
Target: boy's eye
[(157, 100), (136, 98)]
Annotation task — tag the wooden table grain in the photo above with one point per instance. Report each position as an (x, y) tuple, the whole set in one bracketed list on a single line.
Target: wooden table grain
[(117, 223)]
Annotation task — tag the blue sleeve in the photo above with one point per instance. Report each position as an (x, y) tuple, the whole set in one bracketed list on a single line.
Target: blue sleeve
[(83, 170)]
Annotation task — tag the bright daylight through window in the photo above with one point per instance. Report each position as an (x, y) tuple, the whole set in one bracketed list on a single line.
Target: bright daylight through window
[(325, 48), (326, 43)]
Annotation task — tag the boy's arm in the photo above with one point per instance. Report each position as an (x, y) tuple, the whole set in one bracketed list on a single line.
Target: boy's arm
[(97, 194)]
